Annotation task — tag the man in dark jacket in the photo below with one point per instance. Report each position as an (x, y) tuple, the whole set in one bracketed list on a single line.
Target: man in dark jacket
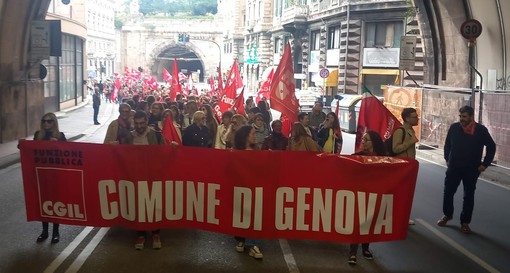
[(96, 101), (463, 151)]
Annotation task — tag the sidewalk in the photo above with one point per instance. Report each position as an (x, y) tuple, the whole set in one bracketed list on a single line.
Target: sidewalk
[(76, 122)]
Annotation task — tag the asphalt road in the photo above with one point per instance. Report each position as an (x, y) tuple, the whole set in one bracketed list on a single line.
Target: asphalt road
[(428, 248)]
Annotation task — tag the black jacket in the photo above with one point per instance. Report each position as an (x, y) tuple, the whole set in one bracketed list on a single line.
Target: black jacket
[(195, 136), (463, 150)]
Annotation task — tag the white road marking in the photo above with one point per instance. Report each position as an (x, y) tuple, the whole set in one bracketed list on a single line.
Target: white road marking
[(84, 255), (287, 255), (68, 250), (459, 248)]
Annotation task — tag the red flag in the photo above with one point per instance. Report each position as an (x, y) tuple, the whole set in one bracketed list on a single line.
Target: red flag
[(176, 85), (166, 76), (373, 115), (226, 102), (286, 125), (169, 131), (234, 78), (265, 88), (239, 103), (282, 96)]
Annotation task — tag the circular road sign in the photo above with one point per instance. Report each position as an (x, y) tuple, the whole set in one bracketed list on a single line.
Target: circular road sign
[(471, 29), (324, 73)]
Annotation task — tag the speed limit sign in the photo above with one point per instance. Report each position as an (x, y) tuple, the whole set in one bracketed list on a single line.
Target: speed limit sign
[(471, 29)]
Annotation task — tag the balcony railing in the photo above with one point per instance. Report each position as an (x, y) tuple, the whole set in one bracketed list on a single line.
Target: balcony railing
[(297, 13)]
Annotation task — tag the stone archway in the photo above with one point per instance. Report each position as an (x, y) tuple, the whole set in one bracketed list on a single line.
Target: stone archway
[(189, 58)]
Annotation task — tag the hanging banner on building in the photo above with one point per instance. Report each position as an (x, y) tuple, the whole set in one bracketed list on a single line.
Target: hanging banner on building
[(256, 194)]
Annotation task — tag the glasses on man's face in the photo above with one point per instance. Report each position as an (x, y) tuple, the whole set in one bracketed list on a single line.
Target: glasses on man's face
[(49, 121)]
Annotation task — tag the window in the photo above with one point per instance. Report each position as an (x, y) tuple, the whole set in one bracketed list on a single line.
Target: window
[(276, 45), (315, 40), (334, 37), (383, 34)]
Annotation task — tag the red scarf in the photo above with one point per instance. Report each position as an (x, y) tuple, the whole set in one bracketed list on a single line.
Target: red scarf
[(470, 128)]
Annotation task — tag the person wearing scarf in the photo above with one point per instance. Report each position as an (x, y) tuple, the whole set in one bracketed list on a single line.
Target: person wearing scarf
[(119, 130), (463, 152)]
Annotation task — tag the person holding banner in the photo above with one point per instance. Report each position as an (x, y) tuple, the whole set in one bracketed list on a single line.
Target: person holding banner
[(119, 130), (144, 135), (49, 131), (245, 139), (404, 141), (372, 146)]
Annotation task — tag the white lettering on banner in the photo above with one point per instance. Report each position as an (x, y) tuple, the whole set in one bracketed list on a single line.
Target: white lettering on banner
[(62, 210), (149, 207), (217, 110), (227, 100), (244, 204), (150, 202), (345, 204)]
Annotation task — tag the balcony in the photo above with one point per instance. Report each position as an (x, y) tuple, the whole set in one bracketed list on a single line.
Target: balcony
[(294, 14)]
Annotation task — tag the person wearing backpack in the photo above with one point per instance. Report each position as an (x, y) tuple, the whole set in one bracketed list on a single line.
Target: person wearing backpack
[(404, 140)]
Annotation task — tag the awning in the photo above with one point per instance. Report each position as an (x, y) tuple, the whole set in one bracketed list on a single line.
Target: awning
[(332, 79), (373, 71)]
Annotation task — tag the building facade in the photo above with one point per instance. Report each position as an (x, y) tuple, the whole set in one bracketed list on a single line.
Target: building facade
[(63, 85), (357, 41), (101, 39)]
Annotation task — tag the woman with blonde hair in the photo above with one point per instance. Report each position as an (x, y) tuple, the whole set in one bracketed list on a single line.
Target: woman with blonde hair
[(237, 122), (196, 134), (300, 140), (49, 131)]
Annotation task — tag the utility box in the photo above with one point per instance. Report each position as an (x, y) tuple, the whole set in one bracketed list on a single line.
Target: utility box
[(347, 112)]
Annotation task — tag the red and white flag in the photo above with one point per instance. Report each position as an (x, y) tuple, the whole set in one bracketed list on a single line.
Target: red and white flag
[(234, 78), (176, 85), (239, 103), (265, 88), (283, 93), (211, 86), (166, 76), (373, 115)]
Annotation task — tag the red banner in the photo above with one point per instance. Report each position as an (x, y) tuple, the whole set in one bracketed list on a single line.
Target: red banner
[(256, 194)]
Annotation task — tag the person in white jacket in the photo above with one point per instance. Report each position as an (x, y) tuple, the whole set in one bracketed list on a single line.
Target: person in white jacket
[(221, 133)]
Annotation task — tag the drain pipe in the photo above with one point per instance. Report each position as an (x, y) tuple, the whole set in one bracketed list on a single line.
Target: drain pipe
[(347, 43), (503, 35)]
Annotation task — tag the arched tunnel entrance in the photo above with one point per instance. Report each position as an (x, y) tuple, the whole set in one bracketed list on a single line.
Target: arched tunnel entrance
[(187, 62)]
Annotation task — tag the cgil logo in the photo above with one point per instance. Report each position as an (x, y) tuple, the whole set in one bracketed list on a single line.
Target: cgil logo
[(68, 204), (62, 210)]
